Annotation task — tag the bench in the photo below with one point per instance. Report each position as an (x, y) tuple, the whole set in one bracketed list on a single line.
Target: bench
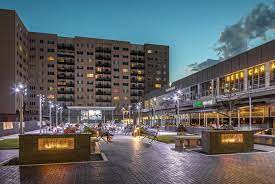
[(151, 133), (187, 141)]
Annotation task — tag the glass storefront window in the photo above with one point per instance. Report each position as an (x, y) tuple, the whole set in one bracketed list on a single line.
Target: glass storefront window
[(232, 83), (256, 77), (272, 74), (206, 89)]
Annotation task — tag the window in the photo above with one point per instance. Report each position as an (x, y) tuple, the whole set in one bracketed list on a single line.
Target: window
[(272, 74), (80, 52), (125, 56), (150, 51), (116, 48), (116, 69), (116, 56), (232, 83), (7, 125), (50, 97), (41, 41), (41, 57), (50, 81), (125, 63), (125, 49), (116, 97), (125, 70), (116, 76), (50, 88), (116, 84), (90, 75), (90, 53), (256, 77), (157, 85), (50, 50), (41, 49), (50, 65), (125, 84), (50, 42), (50, 73), (125, 77)]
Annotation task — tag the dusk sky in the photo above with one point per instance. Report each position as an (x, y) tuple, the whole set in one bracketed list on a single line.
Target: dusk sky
[(190, 28)]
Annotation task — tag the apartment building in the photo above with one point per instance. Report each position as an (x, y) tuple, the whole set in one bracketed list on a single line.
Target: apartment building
[(75, 71)]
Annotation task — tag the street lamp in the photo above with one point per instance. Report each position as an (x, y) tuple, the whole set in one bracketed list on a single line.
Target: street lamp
[(139, 109), (154, 110), (21, 90), (177, 99), (129, 112), (41, 100), (123, 109), (50, 114)]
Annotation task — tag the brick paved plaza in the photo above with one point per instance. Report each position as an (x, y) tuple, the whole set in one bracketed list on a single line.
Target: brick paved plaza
[(134, 161)]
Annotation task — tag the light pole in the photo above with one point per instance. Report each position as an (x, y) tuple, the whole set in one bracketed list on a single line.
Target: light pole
[(177, 99), (123, 109), (154, 110), (41, 100), (21, 90), (56, 114), (50, 114), (129, 113), (139, 109)]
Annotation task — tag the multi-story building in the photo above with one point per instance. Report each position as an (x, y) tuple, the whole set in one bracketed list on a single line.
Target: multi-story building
[(75, 71), (220, 93)]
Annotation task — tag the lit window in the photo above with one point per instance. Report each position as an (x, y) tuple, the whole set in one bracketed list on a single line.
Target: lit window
[(50, 96), (50, 88), (250, 72), (7, 125), (125, 98), (157, 85), (273, 66), (90, 75), (125, 70), (149, 51), (116, 97), (262, 68), (139, 78), (139, 72), (227, 78), (50, 58), (241, 74)]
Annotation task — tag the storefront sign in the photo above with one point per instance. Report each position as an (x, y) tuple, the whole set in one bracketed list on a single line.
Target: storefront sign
[(55, 143), (231, 138), (208, 102), (170, 89), (198, 104)]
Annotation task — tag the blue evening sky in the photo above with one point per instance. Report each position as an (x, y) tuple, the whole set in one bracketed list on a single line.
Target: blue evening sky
[(190, 27)]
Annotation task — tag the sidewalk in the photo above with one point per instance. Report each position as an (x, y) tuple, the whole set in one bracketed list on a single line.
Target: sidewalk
[(14, 136)]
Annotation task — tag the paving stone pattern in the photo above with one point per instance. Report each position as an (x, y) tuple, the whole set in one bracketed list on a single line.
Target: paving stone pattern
[(134, 161)]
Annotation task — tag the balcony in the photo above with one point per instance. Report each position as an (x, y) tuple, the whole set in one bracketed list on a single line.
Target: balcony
[(63, 76), (65, 92), (135, 60), (136, 93), (103, 78), (103, 64), (104, 72), (103, 57), (63, 69), (65, 99), (63, 46), (138, 87), (100, 92), (136, 73), (137, 66), (65, 84), (108, 100), (139, 53), (103, 50), (103, 85), (135, 80)]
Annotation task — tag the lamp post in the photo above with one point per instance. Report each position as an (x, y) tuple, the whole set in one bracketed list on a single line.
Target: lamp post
[(21, 90), (50, 114), (154, 110), (41, 100), (139, 109), (123, 109), (56, 115), (177, 99), (129, 112)]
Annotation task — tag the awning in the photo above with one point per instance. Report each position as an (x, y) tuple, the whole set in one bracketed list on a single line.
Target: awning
[(91, 108)]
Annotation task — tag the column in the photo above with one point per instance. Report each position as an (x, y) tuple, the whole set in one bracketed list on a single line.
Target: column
[(212, 87), (218, 86), (267, 74), (245, 79), (239, 122)]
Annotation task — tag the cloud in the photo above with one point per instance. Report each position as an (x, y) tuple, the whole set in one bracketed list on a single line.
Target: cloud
[(195, 67), (256, 25)]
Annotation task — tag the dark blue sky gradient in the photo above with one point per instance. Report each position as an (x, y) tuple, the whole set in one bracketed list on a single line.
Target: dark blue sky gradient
[(191, 28)]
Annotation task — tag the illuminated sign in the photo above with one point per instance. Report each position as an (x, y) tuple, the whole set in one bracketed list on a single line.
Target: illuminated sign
[(208, 102), (55, 143), (231, 138), (198, 104), (170, 89)]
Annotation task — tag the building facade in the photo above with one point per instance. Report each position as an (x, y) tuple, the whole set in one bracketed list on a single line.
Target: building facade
[(221, 93), (75, 71)]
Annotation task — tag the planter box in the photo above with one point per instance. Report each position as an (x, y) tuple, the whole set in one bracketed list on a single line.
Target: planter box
[(227, 141), (37, 149)]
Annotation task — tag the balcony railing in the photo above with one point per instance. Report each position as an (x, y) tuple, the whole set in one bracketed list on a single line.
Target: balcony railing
[(103, 79), (65, 92), (103, 86), (139, 53), (104, 72), (107, 93), (103, 64), (62, 76)]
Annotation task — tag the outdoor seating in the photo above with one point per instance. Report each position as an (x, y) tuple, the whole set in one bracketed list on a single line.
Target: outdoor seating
[(151, 134), (187, 141)]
